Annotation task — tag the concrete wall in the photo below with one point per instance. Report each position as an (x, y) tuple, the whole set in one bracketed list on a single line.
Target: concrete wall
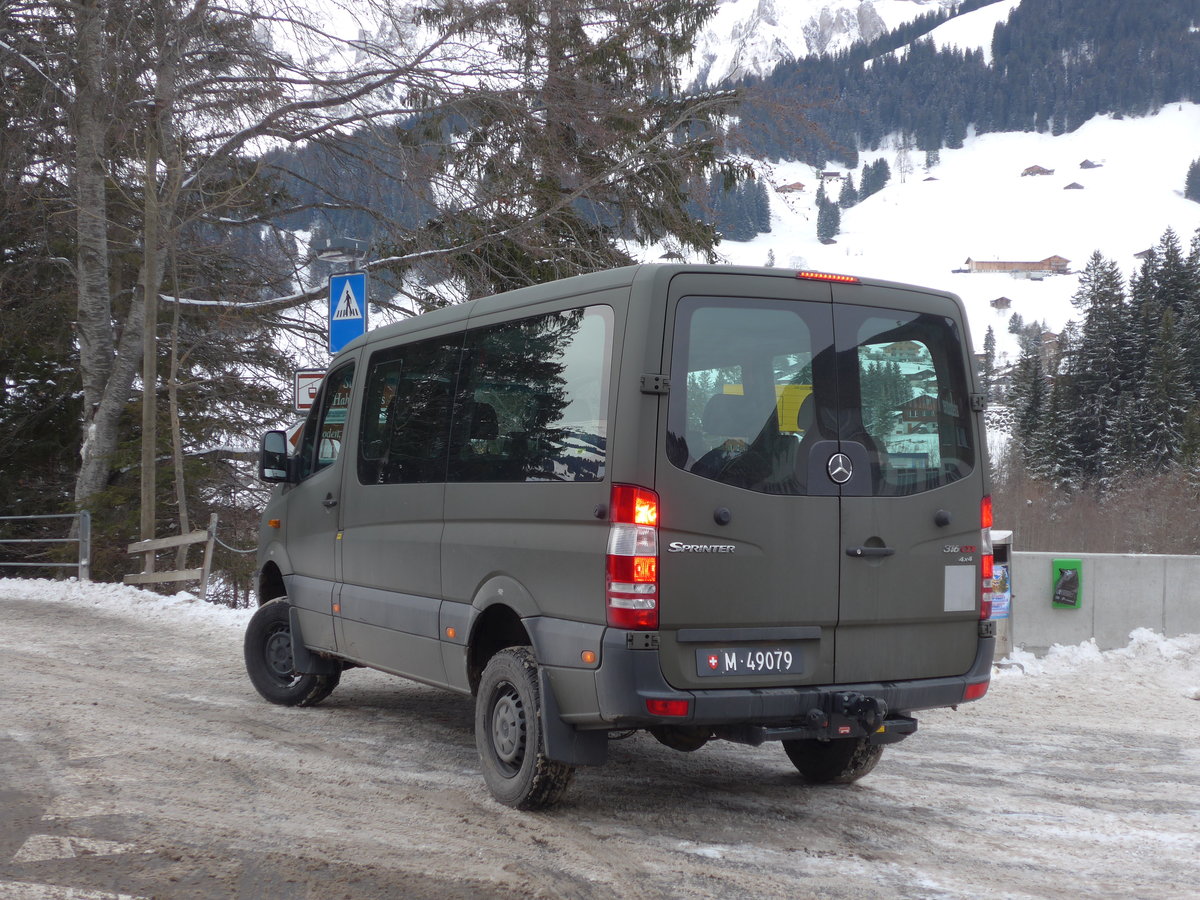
[(1120, 593)]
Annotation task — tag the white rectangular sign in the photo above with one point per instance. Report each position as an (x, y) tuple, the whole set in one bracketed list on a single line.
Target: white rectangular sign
[(308, 382)]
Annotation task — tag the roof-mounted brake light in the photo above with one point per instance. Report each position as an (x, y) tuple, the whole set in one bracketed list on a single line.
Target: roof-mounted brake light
[(828, 276)]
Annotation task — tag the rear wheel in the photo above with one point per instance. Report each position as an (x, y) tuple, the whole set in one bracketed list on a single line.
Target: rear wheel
[(268, 653), (509, 735), (833, 762)]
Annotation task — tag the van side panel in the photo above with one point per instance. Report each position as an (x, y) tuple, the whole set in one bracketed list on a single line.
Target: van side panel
[(310, 510), (392, 505), (543, 376)]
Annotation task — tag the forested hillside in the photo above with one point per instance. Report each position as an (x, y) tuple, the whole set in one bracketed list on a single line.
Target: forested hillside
[(1054, 65), (1104, 418)]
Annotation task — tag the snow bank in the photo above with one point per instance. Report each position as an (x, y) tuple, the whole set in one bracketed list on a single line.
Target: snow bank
[(1171, 662), (126, 600)]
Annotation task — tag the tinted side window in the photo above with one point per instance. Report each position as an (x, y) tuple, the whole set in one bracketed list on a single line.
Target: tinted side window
[(324, 431), (533, 399), (904, 382), (407, 401)]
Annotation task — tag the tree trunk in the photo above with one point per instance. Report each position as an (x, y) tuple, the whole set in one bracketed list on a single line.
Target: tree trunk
[(176, 433), (107, 369), (150, 285)]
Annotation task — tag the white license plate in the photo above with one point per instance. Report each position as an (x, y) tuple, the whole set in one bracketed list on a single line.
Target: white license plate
[(782, 659)]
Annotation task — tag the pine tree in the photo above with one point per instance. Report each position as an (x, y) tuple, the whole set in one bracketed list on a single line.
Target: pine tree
[(871, 180), (849, 196), (1101, 365), (1175, 285), (1178, 283), (1166, 395), (762, 207), (1065, 426), (1122, 444), (829, 218), (1029, 404), (1142, 321), (883, 174), (1191, 185), (987, 371)]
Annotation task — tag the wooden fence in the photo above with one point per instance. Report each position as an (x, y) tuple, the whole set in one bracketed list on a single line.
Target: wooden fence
[(149, 576)]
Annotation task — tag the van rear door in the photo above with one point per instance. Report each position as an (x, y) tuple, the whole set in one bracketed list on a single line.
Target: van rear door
[(748, 555), (813, 450), (910, 512)]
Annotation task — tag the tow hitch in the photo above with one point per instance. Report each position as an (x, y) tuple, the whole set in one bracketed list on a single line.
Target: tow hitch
[(840, 715)]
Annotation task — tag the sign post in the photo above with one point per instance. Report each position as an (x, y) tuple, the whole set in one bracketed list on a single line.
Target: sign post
[(347, 308)]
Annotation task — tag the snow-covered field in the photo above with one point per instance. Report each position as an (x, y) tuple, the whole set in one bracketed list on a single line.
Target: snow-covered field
[(136, 761), (979, 205)]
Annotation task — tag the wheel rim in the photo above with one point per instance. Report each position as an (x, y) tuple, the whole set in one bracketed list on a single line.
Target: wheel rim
[(277, 653), (508, 728)]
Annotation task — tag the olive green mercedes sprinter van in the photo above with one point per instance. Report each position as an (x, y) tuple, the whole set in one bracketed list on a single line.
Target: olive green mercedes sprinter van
[(708, 502)]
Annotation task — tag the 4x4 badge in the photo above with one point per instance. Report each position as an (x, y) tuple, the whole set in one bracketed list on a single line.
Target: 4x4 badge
[(840, 468)]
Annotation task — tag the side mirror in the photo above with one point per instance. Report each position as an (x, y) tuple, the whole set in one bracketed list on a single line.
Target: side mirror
[(273, 457)]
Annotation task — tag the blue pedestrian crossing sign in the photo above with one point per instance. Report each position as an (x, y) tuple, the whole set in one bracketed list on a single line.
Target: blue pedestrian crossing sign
[(347, 308)]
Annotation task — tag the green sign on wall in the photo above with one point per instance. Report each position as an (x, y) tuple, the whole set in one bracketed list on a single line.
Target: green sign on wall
[(1067, 579)]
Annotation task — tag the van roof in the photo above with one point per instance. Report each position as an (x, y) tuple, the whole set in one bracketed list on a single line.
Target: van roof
[(579, 285)]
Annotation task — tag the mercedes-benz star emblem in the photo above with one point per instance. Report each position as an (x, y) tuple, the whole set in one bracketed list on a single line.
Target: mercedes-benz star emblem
[(840, 468)]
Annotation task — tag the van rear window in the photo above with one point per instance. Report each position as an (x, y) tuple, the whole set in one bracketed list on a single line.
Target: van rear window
[(902, 373), (755, 385)]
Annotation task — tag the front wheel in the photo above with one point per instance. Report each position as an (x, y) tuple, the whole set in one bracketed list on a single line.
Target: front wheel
[(268, 652), (509, 735), (833, 762)]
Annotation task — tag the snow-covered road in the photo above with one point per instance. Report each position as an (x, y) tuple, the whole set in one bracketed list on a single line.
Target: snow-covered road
[(136, 760)]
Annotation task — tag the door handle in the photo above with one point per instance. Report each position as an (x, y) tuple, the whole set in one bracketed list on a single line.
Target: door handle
[(329, 502), (869, 551)]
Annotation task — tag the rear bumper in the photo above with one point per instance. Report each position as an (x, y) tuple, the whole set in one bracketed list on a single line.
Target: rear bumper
[(628, 678)]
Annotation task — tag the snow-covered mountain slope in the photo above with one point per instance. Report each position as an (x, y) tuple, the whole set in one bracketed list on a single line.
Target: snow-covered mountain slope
[(751, 37), (971, 31), (976, 203)]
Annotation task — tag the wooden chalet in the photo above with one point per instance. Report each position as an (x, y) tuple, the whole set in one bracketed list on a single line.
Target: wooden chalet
[(920, 410), (903, 351), (1051, 265)]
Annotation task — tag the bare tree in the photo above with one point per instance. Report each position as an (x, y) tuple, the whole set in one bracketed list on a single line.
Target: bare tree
[(536, 138)]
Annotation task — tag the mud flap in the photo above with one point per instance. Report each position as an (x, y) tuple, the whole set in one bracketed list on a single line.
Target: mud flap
[(565, 743), (304, 661)]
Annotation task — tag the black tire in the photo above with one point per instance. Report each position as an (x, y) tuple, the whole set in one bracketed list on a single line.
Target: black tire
[(508, 733), (833, 762), (268, 652)]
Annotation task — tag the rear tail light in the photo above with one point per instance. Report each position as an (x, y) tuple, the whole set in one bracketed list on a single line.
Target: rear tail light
[(975, 691), (987, 560), (631, 591), (674, 708)]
